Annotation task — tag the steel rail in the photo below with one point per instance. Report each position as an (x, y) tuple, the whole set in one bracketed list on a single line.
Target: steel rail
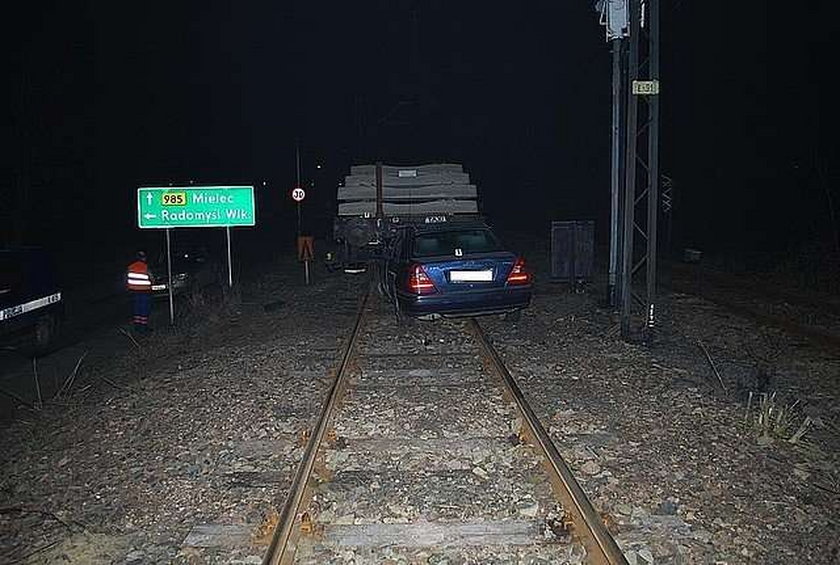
[(601, 547), (277, 549)]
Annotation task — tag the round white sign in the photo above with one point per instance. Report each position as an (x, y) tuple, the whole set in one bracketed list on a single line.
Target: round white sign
[(298, 194)]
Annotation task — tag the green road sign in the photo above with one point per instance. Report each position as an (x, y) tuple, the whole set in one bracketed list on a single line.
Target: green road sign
[(195, 207)]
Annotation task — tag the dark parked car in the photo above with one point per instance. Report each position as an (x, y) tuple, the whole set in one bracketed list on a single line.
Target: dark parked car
[(31, 306), (453, 270), (192, 269)]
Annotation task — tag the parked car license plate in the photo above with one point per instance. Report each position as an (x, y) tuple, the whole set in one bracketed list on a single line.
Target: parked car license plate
[(158, 287), (471, 276)]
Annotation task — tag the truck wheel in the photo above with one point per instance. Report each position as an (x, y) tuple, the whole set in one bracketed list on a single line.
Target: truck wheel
[(379, 276), (398, 314)]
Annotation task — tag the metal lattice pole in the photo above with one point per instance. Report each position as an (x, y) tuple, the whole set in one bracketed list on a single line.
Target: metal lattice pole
[(641, 189), (628, 200)]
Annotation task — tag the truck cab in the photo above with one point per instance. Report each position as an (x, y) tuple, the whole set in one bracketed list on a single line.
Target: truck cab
[(31, 305)]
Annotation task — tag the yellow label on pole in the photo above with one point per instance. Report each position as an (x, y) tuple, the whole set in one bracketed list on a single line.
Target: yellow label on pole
[(645, 87)]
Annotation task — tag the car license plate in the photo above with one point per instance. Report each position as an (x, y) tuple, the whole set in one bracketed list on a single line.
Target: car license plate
[(158, 287), (471, 276)]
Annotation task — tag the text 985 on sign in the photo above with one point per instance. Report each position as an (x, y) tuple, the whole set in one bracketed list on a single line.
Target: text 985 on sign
[(174, 199)]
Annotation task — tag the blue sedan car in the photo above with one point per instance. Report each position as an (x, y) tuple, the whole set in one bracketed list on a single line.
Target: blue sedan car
[(453, 270)]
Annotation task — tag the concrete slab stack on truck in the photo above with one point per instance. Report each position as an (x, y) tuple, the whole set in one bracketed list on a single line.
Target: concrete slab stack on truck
[(376, 200)]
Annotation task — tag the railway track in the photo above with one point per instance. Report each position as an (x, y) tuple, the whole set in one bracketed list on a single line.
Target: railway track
[(427, 451)]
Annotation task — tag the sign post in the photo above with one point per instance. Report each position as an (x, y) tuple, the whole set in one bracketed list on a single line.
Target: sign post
[(169, 279), (195, 207), (229, 260), (298, 195)]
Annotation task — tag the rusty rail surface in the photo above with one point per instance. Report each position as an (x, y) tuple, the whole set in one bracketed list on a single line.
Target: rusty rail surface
[(600, 546), (278, 550), (588, 527)]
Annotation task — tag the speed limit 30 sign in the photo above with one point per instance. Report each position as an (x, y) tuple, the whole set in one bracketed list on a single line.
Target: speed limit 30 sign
[(298, 194)]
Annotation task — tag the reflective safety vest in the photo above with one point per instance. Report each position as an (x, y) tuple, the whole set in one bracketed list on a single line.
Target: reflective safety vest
[(138, 277)]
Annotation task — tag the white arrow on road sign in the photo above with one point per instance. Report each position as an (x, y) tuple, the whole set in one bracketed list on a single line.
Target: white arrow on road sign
[(298, 194), (149, 197), (149, 216)]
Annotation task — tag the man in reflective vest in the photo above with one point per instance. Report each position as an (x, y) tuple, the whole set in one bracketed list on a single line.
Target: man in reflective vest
[(139, 283)]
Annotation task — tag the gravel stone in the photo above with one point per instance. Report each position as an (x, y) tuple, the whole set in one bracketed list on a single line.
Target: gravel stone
[(590, 468)]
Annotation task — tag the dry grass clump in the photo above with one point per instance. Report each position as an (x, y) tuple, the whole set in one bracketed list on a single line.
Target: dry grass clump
[(773, 419)]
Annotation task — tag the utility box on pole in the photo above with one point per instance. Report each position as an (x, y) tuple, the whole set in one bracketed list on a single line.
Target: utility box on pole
[(572, 251)]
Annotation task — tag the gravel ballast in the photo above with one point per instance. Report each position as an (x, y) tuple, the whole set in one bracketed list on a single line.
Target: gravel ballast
[(179, 449)]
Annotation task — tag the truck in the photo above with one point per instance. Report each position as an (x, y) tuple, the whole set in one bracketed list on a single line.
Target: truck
[(376, 200)]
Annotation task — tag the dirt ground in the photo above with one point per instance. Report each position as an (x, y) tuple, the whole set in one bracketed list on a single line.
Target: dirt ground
[(715, 443)]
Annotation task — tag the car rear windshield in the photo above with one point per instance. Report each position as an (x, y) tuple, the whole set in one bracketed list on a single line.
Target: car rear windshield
[(446, 242)]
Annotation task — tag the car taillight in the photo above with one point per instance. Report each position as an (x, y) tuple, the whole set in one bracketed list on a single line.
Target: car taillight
[(518, 274), (419, 282)]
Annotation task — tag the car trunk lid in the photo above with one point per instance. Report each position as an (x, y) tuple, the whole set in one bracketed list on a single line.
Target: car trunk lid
[(469, 274)]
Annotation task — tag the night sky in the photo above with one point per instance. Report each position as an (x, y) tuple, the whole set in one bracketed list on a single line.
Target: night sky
[(108, 96)]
